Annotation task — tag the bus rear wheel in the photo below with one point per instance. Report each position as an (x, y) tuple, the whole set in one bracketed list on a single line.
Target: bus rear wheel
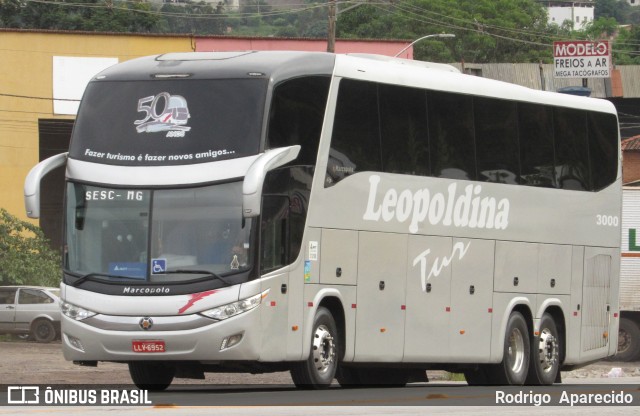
[(513, 369), (152, 376), (319, 369), (545, 353)]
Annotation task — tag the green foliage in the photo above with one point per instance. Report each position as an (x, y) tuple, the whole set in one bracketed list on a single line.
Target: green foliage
[(25, 255), (601, 28), (191, 17), (486, 30), (113, 16), (627, 47), (619, 10)]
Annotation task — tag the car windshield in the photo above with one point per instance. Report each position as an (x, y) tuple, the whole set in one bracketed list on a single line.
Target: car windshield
[(156, 236)]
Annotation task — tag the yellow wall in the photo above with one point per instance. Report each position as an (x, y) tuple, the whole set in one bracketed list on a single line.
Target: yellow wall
[(26, 67)]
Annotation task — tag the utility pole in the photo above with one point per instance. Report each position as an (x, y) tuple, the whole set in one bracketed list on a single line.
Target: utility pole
[(331, 32)]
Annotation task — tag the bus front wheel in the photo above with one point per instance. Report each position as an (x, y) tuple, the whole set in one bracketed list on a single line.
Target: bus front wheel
[(152, 376), (319, 369)]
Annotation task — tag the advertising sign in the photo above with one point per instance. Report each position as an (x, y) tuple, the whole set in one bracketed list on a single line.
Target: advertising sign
[(582, 59)]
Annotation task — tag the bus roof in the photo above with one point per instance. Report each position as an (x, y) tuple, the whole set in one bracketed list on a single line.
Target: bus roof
[(441, 77), (212, 65), (279, 65)]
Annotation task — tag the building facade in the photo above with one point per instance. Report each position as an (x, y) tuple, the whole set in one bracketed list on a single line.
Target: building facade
[(579, 13)]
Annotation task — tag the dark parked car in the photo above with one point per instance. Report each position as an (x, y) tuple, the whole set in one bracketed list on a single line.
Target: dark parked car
[(30, 311)]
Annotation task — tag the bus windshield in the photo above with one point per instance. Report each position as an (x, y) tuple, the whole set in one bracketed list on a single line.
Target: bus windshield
[(157, 236), (169, 122)]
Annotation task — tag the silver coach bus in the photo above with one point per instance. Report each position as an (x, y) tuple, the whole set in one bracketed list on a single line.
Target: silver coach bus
[(339, 216)]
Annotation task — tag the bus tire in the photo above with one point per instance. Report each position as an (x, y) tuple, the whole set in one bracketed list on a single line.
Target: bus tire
[(512, 371), (628, 341), (152, 376), (43, 331), (319, 369), (386, 377), (544, 363), (476, 376), (348, 377)]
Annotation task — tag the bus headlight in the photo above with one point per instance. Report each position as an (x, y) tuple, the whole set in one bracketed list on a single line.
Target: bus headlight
[(75, 312), (232, 309)]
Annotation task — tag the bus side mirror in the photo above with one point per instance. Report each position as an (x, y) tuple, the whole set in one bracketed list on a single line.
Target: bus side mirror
[(32, 182), (253, 181)]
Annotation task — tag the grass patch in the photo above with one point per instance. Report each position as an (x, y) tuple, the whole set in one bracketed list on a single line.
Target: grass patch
[(455, 377)]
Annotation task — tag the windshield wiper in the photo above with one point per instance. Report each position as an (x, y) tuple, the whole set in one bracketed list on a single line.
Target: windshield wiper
[(207, 274), (89, 276)]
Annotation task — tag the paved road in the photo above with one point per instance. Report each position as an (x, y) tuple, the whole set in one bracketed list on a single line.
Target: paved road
[(28, 363), (417, 399)]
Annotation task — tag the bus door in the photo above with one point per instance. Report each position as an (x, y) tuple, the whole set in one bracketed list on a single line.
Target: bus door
[(597, 306)]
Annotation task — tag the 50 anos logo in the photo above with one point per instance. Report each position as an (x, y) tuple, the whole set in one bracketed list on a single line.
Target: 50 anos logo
[(163, 112)]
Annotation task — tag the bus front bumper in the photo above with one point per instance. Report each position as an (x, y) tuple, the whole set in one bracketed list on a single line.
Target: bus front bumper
[(167, 338)]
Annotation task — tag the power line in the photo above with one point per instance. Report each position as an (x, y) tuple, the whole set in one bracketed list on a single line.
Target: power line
[(185, 14)]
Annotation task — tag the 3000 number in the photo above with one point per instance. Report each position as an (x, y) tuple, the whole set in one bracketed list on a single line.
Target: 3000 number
[(607, 220)]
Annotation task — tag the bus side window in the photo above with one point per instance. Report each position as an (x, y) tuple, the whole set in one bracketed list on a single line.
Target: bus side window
[(603, 149), (572, 155), (296, 116), (535, 129), (451, 135), (274, 232), (355, 142), (496, 140), (404, 130)]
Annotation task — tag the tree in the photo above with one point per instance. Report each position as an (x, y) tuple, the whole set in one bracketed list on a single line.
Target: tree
[(25, 255), (617, 9), (627, 47), (486, 30), (192, 17), (601, 27), (10, 13), (90, 15)]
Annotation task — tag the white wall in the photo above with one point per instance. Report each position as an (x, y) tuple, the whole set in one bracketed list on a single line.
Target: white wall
[(580, 16)]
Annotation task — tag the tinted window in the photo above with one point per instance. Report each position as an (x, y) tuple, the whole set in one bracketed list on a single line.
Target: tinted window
[(293, 183), (296, 116), (458, 136), (572, 157), (273, 237), (403, 124), (603, 149), (451, 135), (535, 127), (496, 140), (355, 146), (169, 122), (31, 296)]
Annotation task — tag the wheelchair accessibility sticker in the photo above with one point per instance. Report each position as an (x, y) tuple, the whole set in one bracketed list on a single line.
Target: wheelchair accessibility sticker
[(158, 266)]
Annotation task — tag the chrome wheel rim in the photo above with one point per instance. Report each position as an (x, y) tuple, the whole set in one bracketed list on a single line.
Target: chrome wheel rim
[(547, 350), (324, 350), (515, 351)]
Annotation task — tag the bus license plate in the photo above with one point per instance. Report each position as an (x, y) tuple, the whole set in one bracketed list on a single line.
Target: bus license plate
[(148, 346)]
